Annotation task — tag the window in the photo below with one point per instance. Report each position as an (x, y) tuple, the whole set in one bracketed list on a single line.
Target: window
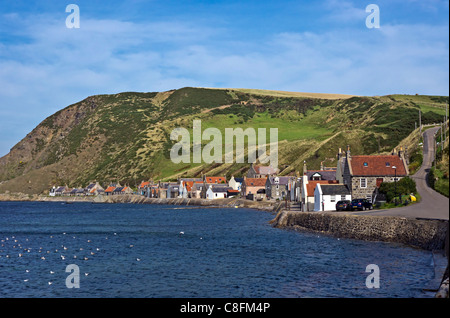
[(343, 197), (333, 198), (363, 183), (366, 164), (388, 164)]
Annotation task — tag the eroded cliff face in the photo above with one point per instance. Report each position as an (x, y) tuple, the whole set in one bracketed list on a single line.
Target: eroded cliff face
[(44, 144), (425, 234)]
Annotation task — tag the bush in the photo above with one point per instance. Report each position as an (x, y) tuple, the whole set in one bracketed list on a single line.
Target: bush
[(404, 186)]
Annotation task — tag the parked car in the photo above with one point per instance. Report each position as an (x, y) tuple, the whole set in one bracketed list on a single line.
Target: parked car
[(344, 205), (361, 204)]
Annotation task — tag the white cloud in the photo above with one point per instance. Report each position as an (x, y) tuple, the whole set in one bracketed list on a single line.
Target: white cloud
[(52, 66)]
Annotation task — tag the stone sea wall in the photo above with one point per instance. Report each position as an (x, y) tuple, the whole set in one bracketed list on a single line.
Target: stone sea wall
[(422, 233)]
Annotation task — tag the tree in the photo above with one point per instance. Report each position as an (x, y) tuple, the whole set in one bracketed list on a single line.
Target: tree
[(404, 186)]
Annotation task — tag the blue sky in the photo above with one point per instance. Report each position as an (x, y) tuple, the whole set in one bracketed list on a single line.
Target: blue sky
[(146, 46)]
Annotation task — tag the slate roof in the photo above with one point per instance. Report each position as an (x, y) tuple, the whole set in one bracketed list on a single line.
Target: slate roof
[(281, 180), (326, 174), (334, 189), (220, 189)]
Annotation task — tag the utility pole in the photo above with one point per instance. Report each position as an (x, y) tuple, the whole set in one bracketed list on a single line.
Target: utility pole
[(445, 124), (420, 121)]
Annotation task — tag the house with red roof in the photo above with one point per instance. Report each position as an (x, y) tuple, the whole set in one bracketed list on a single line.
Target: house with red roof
[(364, 174), (251, 186), (109, 190), (307, 192), (143, 188)]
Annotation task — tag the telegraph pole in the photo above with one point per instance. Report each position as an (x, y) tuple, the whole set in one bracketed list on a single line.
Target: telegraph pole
[(420, 121)]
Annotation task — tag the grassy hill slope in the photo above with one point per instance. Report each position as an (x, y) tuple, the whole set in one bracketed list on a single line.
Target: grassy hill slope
[(126, 137)]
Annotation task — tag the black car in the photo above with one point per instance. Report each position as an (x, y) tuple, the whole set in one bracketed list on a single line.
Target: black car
[(361, 204), (344, 205)]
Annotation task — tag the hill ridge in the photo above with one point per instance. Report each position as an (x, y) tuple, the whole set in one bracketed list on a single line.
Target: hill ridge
[(126, 136)]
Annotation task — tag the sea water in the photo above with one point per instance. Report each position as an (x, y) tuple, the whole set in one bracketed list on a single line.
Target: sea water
[(131, 250)]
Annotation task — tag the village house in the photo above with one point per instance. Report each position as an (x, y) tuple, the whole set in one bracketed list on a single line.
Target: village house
[(235, 183), (162, 189), (109, 190), (168, 189), (117, 191), (127, 190), (151, 190), (94, 189), (364, 174), (261, 171), (197, 189), (143, 187), (173, 191), (327, 195), (191, 188), (232, 193), (307, 192), (58, 191), (250, 187), (277, 187), (208, 181), (216, 192)]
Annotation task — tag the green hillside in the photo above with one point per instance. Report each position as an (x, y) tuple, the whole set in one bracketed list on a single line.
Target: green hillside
[(126, 137)]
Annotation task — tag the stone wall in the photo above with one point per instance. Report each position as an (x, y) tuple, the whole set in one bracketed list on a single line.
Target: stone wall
[(426, 234), (371, 185)]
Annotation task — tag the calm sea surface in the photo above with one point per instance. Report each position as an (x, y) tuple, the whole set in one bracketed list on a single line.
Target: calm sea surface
[(126, 250)]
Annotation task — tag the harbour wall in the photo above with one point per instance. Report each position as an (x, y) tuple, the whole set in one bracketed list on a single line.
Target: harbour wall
[(428, 234)]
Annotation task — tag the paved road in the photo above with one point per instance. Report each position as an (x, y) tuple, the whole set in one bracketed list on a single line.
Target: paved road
[(433, 204)]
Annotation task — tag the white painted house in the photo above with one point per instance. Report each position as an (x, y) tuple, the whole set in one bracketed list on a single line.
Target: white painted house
[(235, 183), (182, 192), (327, 195), (215, 192)]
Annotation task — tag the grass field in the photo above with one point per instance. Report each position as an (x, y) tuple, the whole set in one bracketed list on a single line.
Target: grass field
[(287, 130)]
